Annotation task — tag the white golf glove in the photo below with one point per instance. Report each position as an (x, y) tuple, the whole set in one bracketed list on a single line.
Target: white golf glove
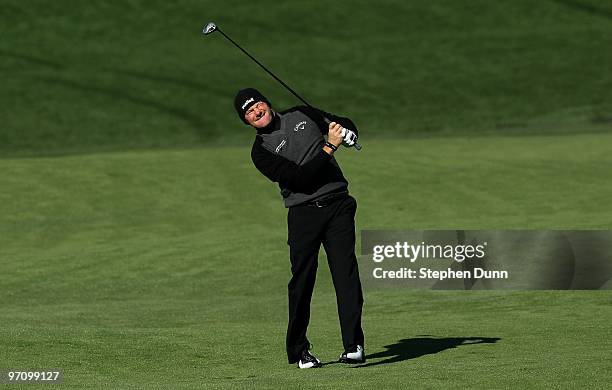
[(349, 137)]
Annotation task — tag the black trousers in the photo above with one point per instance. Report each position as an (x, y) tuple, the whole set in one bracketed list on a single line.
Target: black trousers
[(334, 227)]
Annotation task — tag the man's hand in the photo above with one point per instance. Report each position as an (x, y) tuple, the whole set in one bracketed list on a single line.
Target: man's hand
[(349, 137), (334, 136)]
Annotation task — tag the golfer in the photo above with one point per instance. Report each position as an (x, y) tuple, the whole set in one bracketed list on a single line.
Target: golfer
[(290, 149)]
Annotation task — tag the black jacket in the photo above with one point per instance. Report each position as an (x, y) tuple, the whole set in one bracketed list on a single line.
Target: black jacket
[(289, 151)]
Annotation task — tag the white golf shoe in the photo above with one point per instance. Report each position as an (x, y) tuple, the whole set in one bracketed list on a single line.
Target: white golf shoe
[(355, 356), (308, 360)]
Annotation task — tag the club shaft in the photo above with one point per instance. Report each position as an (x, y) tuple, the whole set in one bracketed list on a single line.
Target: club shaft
[(356, 145), (264, 68)]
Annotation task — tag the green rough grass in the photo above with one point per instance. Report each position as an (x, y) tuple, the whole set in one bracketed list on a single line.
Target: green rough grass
[(149, 253), (116, 75), (158, 269)]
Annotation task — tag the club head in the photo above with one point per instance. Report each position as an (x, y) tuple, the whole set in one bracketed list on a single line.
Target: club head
[(209, 28)]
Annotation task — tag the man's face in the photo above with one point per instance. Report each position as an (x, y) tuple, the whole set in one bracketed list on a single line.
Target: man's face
[(259, 115)]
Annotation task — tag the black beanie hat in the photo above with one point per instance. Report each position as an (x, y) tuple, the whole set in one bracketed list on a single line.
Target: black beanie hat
[(245, 98)]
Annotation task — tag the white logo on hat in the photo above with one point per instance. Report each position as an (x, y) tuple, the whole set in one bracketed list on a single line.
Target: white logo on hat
[(251, 100)]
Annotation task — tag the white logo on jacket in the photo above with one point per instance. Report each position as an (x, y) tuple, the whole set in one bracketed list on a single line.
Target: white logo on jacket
[(300, 126), (280, 145)]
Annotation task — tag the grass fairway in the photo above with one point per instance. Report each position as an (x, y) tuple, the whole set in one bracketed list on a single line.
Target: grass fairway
[(116, 75), (140, 248), (168, 268)]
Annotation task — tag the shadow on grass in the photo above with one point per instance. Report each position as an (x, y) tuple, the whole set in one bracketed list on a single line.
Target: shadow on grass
[(194, 120), (416, 347), (587, 8), (30, 59)]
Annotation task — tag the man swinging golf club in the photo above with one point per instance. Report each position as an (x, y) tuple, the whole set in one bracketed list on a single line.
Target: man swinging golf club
[(290, 149)]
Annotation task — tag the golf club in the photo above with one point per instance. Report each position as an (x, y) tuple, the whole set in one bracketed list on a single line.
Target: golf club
[(211, 27)]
